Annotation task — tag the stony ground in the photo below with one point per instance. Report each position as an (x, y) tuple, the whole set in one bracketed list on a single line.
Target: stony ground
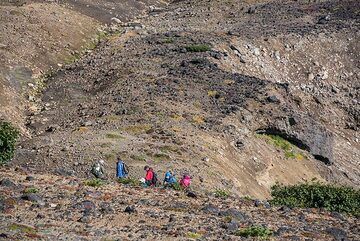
[(63, 208)]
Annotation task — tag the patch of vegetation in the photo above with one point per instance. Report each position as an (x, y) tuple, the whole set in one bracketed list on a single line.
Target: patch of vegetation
[(199, 61), (288, 148), (176, 186), (170, 149), (247, 198), (8, 138), (133, 182), (227, 219), (94, 182), (198, 48), (254, 231), (138, 157), (177, 117), (31, 190), (168, 40), (82, 129), (113, 135), (198, 119), (106, 145), (212, 93), (317, 195), (229, 81), (158, 157), (113, 118), (90, 45), (137, 129), (221, 193), (193, 235), (110, 156), (22, 228)]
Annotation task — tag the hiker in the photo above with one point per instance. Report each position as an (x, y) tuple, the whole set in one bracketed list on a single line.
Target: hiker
[(98, 169), (122, 170), (169, 179), (150, 178), (185, 181)]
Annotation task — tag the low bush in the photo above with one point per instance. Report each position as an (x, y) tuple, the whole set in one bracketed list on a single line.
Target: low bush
[(198, 48), (221, 193), (31, 190), (317, 195), (192, 235), (8, 138), (129, 181), (94, 182), (254, 231), (176, 186)]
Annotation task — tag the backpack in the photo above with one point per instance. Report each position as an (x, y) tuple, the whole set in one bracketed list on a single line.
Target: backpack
[(121, 169), (126, 169), (154, 179)]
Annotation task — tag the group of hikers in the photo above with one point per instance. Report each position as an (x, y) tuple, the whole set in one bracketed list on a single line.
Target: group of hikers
[(150, 180)]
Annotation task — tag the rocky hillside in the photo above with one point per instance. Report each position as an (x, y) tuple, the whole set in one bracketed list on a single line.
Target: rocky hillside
[(38, 36), (47, 207), (240, 94)]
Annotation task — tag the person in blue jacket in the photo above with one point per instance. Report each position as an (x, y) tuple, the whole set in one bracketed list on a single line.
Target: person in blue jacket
[(122, 170), (169, 179)]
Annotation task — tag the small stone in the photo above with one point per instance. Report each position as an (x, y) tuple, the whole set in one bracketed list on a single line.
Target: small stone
[(337, 233), (284, 209), (257, 203), (235, 214), (29, 178), (6, 182), (277, 55), (267, 204), (40, 216), (210, 208), (232, 226), (130, 209), (33, 198), (273, 99), (172, 218), (116, 20), (85, 219), (87, 123), (324, 19), (256, 51), (191, 194), (251, 10), (206, 159)]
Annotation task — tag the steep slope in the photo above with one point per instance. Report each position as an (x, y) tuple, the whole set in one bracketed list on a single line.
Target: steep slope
[(195, 85), (38, 36)]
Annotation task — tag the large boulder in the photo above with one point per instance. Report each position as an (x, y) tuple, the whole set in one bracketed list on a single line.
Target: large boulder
[(306, 133)]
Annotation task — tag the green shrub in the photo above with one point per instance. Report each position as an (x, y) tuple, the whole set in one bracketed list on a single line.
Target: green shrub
[(31, 190), (221, 193), (8, 138), (254, 231), (318, 195), (198, 48), (113, 135), (176, 186), (94, 182), (192, 235), (129, 181)]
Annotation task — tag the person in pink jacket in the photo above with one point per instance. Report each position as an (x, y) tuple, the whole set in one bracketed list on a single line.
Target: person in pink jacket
[(185, 181)]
